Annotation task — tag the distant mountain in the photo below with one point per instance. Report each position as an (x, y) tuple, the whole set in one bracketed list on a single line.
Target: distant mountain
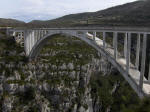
[(11, 22), (130, 14)]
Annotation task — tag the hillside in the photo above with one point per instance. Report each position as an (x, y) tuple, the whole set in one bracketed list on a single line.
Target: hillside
[(130, 14), (11, 22)]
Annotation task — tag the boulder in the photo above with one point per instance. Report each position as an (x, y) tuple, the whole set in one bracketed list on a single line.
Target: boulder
[(70, 66)]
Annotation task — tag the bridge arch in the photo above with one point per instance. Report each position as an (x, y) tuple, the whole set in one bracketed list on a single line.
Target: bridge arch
[(35, 39), (39, 44)]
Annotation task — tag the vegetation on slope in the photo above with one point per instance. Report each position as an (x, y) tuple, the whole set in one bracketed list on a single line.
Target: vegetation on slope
[(130, 14), (123, 99), (11, 23)]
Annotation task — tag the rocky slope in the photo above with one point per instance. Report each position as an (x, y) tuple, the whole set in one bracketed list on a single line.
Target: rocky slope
[(67, 76)]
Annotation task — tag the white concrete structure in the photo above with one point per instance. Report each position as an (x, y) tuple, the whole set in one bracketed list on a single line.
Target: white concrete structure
[(34, 39), (19, 36)]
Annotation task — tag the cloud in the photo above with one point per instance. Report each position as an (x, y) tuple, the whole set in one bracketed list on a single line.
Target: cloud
[(35, 2)]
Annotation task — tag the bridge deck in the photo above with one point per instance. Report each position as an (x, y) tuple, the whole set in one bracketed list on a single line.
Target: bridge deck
[(133, 72)]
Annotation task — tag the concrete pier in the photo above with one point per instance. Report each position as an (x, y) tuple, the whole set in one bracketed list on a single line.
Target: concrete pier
[(115, 42), (104, 40), (128, 53), (94, 33), (125, 45), (143, 61), (149, 74), (30, 40), (137, 51)]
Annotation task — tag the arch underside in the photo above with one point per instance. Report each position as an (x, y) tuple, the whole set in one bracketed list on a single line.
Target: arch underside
[(39, 45)]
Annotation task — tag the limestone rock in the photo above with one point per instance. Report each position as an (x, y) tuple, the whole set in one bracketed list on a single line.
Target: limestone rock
[(46, 87), (7, 104), (72, 74), (63, 67), (70, 66)]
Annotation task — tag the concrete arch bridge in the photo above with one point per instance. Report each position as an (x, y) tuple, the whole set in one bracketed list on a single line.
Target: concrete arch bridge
[(34, 39)]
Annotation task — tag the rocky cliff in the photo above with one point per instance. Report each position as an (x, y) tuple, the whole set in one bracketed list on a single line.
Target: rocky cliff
[(67, 76)]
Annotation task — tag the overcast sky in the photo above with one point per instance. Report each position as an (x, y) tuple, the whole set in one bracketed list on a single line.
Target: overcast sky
[(28, 10)]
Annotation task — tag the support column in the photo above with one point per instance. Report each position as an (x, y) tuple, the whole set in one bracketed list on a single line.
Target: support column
[(25, 42), (33, 37), (42, 34), (149, 73), (31, 40), (115, 42), (143, 61), (85, 34), (38, 37), (104, 40), (37, 34), (137, 52), (28, 42), (30, 35), (45, 32), (94, 35), (128, 52), (125, 45)]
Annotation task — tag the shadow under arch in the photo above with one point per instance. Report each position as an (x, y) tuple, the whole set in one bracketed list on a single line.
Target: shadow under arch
[(39, 45)]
